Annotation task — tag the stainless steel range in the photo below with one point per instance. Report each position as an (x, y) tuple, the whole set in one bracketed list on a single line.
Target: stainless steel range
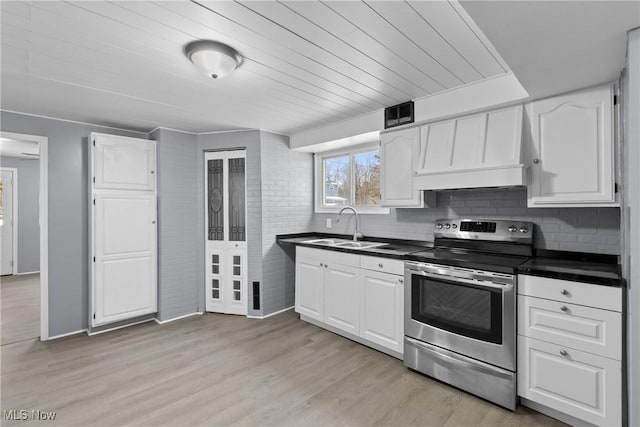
[(460, 305)]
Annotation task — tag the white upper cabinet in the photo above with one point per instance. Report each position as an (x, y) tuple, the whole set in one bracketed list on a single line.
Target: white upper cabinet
[(398, 157), (122, 163), (571, 150), (480, 150)]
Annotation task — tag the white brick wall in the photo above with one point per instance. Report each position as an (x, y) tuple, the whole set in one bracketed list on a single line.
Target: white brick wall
[(287, 206), (594, 230), (177, 224)]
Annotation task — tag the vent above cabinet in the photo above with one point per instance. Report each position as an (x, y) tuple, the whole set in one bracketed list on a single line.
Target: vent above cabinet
[(397, 115)]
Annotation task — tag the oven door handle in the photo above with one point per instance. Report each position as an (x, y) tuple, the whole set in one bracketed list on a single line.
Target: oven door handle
[(469, 278)]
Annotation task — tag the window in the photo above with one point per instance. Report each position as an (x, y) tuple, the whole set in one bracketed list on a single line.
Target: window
[(349, 178)]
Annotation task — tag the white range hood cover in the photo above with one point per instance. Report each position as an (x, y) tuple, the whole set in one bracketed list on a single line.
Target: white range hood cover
[(475, 151)]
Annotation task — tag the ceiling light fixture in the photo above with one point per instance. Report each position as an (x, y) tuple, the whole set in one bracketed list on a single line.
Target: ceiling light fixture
[(214, 59)]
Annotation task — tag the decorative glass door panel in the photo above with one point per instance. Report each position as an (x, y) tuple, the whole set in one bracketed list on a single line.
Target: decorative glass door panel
[(226, 233)]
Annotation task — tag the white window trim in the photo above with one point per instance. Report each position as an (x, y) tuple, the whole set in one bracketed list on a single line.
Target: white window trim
[(318, 179)]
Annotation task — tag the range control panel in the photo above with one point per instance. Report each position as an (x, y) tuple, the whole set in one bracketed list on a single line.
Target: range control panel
[(482, 229)]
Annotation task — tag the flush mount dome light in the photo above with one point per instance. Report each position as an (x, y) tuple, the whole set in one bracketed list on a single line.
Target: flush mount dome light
[(213, 59)]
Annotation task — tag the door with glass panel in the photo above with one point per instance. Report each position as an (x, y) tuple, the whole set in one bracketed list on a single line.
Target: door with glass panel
[(226, 232)]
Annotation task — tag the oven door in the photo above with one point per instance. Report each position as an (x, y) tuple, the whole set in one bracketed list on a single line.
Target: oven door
[(465, 311)]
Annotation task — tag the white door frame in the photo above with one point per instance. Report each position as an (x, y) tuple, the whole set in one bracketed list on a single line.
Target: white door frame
[(43, 215), (14, 212), (245, 284)]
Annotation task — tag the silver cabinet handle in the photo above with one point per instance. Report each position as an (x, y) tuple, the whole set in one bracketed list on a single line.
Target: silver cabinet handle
[(400, 280), (321, 265), (380, 265), (152, 172), (564, 308), (563, 352), (564, 292), (153, 222), (536, 161)]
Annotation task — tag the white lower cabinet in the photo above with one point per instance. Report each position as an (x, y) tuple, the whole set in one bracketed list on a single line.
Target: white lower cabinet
[(310, 287), (367, 305), (341, 295), (382, 309), (577, 383), (570, 348)]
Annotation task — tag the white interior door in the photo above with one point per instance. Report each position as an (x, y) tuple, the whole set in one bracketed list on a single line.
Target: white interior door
[(7, 231), (226, 232), (123, 229)]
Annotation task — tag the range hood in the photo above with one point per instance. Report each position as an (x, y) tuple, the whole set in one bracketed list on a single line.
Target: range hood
[(475, 151)]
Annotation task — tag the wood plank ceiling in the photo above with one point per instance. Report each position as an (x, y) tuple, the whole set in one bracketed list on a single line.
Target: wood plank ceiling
[(306, 63)]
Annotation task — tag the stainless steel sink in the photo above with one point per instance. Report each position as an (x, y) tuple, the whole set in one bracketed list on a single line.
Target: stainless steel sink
[(359, 245), (343, 243), (329, 242)]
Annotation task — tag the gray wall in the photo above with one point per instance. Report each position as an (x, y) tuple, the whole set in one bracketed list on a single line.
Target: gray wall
[(568, 229), (68, 219), (631, 226), (178, 233), (250, 140), (287, 206), (28, 224)]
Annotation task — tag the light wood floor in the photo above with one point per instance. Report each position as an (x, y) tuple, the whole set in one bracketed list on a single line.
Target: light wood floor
[(20, 318), (229, 370)]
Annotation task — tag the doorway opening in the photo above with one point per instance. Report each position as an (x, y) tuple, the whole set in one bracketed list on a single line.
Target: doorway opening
[(23, 232)]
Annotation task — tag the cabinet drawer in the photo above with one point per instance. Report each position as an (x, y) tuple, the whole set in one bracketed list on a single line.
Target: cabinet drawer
[(329, 257), (584, 328), (385, 265), (576, 383), (598, 296)]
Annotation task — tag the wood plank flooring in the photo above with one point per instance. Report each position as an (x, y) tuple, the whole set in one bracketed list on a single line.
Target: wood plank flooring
[(219, 370), (20, 318)]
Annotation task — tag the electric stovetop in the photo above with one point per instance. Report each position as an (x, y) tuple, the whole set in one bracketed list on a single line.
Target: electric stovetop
[(500, 263)]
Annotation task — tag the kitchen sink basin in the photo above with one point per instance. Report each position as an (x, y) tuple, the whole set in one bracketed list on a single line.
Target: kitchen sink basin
[(359, 245), (329, 242), (342, 243)]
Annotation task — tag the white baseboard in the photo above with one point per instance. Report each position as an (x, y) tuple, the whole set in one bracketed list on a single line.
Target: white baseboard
[(271, 314), (118, 327), (162, 322), (55, 337), (28, 272)]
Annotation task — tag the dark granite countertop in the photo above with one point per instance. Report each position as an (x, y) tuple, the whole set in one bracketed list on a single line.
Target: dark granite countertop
[(579, 267), (396, 248)]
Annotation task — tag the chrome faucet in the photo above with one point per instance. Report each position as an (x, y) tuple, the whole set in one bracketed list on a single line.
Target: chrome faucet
[(356, 233)]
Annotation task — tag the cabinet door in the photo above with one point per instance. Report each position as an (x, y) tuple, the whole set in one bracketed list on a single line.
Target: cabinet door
[(310, 287), (398, 160), (125, 257), (341, 298), (572, 150), (382, 309), (123, 163), (576, 383)]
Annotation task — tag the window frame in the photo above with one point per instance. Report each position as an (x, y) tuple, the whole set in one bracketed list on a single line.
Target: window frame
[(319, 179)]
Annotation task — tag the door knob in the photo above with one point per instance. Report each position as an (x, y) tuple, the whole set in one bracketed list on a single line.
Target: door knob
[(564, 292), (563, 352), (564, 308), (153, 222)]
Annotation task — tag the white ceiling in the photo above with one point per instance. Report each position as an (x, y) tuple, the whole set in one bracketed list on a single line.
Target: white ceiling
[(307, 63), (558, 46)]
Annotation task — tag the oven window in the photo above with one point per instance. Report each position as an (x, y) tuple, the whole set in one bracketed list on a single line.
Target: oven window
[(458, 308)]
